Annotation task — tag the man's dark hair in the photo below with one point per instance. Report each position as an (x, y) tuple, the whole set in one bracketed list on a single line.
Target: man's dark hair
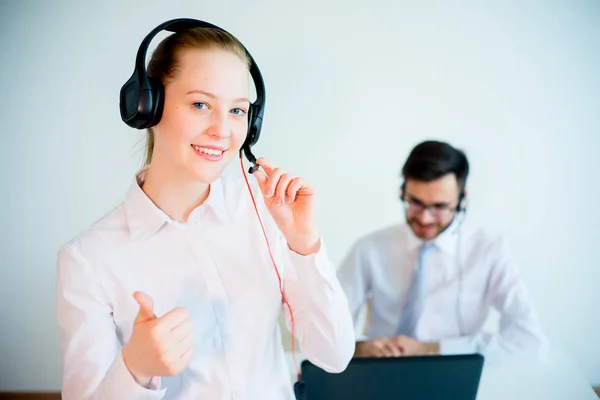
[(431, 160)]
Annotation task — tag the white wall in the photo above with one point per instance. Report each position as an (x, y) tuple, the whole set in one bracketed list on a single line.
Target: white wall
[(351, 88)]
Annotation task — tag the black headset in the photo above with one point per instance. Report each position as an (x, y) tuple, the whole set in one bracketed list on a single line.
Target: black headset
[(141, 98)]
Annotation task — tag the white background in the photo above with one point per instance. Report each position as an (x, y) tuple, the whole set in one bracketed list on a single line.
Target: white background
[(352, 87)]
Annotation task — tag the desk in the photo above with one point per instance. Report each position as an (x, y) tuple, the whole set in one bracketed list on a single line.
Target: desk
[(556, 378)]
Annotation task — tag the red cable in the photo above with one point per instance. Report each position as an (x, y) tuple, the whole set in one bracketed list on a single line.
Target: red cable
[(274, 266)]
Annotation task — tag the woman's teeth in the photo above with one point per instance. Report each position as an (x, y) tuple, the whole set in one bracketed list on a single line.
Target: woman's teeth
[(208, 151)]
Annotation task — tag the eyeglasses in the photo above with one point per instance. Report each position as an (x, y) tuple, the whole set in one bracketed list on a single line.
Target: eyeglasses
[(438, 211)]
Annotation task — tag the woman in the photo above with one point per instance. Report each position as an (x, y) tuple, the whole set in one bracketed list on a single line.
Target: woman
[(173, 294)]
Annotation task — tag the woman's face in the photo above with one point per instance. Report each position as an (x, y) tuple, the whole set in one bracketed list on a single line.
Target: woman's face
[(205, 116)]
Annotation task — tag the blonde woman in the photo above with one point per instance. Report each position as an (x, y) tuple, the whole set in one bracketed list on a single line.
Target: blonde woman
[(176, 293)]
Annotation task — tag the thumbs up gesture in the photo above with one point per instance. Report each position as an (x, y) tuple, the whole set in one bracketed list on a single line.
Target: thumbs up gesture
[(158, 346)]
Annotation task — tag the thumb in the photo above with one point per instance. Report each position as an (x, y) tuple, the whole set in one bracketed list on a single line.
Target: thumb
[(146, 307)]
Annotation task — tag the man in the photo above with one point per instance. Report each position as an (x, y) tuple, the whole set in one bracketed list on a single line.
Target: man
[(432, 281)]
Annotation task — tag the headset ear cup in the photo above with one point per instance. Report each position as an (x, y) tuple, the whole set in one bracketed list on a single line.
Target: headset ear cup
[(251, 138), (254, 124), (129, 99), (141, 108), (158, 101), (251, 118), (462, 204)]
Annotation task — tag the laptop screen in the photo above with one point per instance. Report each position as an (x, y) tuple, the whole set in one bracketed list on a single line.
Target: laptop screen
[(403, 378)]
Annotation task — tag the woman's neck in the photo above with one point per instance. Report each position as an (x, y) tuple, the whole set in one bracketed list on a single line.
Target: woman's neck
[(172, 191)]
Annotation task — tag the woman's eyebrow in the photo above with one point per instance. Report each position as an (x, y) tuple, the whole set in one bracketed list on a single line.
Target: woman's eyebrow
[(213, 96)]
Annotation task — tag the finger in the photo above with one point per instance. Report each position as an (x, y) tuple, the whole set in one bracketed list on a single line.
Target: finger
[(273, 181), (146, 304), (403, 343), (295, 185), (186, 358), (266, 165), (405, 349), (180, 332), (394, 350), (174, 318), (173, 354), (389, 349), (176, 362), (185, 344), (377, 352), (282, 188), (379, 349), (262, 180), (393, 344)]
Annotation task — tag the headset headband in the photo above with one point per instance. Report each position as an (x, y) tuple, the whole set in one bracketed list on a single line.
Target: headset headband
[(182, 24)]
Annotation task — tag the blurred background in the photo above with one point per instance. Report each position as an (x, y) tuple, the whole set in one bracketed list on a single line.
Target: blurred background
[(351, 88)]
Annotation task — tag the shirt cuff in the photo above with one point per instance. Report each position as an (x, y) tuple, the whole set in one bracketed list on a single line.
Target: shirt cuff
[(458, 345), (119, 383), (313, 267)]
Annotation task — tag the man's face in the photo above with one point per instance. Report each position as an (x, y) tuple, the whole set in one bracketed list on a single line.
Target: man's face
[(431, 206)]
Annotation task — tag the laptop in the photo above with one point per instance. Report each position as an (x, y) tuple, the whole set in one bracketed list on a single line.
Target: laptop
[(454, 377)]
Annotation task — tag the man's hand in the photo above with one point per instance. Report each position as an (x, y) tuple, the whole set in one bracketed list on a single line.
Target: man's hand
[(412, 347), (382, 347), (158, 346)]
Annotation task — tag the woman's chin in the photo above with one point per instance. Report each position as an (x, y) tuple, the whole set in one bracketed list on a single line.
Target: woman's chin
[(206, 175)]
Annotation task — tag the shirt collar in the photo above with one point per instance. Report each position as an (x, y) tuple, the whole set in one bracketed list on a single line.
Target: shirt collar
[(448, 240), (445, 241), (145, 218), (215, 202)]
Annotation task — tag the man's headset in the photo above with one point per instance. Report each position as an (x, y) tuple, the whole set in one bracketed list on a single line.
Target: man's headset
[(141, 98)]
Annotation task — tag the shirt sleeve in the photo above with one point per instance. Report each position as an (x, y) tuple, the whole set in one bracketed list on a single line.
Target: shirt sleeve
[(93, 367), (520, 334), (354, 278), (323, 324)]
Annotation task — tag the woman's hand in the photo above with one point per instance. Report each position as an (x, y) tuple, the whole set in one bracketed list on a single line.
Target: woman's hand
[(158, 346), (291, 202)]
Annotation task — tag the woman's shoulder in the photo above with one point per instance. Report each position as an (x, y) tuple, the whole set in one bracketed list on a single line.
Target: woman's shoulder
[(109, 229)]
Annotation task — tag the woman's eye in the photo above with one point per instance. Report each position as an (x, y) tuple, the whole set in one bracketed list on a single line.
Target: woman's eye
[(200, 106), (238, 111)]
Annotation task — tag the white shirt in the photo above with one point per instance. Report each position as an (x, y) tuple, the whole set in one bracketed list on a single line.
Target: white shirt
[(217, 266), (469, 272)]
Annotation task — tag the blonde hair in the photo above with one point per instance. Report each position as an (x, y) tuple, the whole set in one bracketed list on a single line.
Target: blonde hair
[(164, 62)]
